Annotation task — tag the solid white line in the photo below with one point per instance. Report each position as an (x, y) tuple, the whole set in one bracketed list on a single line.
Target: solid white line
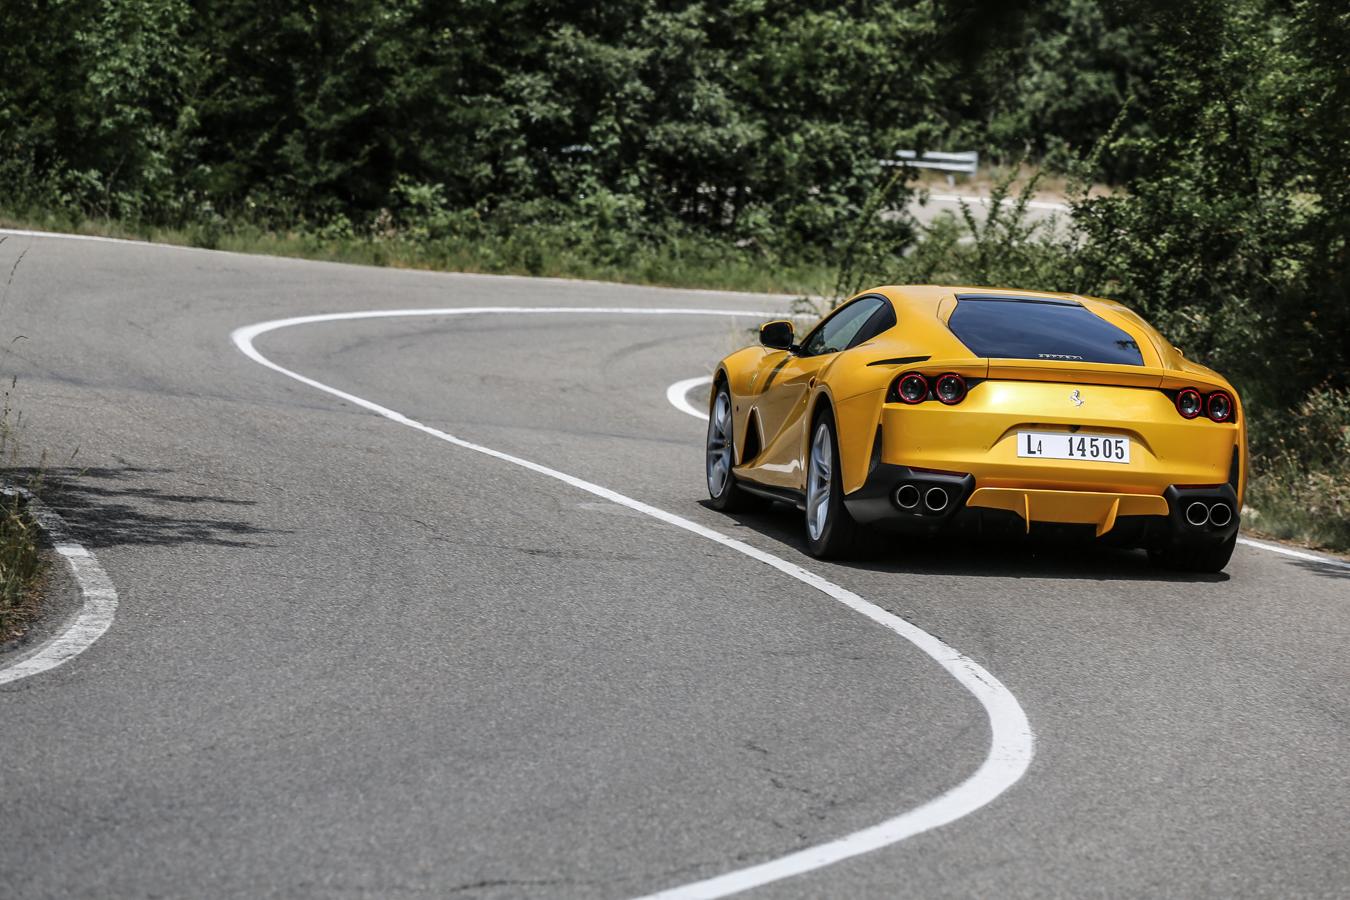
[(19, 232), (99, 598), (1296, 554), (678, 395), (1011, 739)]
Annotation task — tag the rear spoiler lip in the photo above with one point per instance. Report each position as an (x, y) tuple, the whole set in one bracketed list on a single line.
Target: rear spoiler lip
[(1059, 371), (1099, 373), (1115, 374)]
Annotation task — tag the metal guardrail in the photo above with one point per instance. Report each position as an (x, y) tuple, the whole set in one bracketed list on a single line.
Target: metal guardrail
[(966, 161)]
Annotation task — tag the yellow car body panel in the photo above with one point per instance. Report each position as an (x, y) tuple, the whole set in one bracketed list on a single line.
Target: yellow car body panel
[(777, 393), (982, 440)]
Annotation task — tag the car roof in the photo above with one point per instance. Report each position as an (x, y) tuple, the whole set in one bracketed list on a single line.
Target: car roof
[(927, 297), (922, 306)]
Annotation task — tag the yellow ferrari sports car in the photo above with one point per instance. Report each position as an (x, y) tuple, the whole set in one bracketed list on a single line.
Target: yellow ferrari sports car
[(922, 409)]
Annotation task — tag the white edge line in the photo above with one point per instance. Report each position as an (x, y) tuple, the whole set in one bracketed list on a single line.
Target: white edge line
[(100, 239), (678, 395), (98, 597), (1296, 554), (678, 392), (1011, 739)]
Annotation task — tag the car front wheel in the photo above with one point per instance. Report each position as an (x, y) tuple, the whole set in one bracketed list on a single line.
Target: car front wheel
[(723, 491)]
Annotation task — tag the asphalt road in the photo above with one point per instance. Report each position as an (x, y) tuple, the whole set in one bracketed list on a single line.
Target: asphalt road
[(353, 660)]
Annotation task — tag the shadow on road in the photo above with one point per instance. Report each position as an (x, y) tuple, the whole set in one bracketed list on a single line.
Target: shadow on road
[(109, 507), (1326, 570), (976, 557)]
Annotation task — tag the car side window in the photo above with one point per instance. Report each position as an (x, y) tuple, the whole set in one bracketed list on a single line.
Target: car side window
[(845, 328), (882, 320)]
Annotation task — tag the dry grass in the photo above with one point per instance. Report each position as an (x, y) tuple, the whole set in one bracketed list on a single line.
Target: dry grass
[(21, 568)]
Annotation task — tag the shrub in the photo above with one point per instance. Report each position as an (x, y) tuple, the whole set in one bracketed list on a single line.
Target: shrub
[(1300, 475)]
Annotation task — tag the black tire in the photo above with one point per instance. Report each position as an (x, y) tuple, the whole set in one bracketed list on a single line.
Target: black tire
[(724, 492), (1191, 558), (836, 535)]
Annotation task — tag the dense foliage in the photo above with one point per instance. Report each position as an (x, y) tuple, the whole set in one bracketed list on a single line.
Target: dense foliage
[(652, 138), (735, 117)]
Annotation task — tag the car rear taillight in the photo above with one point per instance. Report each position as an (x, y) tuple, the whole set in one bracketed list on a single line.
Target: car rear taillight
[(912, 388), (1189, 403), (950, 388), (1219, 407)]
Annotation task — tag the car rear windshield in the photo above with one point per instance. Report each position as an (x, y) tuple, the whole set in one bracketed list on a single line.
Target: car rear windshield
[(1016, 328)]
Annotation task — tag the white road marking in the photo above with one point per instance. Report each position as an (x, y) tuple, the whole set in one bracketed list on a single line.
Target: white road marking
[(1296, 554), (1011, 739), (678, 395), (99, 598), (19, 232), (677, 392)]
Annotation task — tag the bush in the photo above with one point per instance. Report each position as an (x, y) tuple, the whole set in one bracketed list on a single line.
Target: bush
[(1300, 476)]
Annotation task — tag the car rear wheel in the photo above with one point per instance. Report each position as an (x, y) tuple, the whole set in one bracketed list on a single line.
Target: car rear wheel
[(723, 490), (1191, 558), (830, 530)]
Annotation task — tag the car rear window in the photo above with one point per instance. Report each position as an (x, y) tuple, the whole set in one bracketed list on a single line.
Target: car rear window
[(1015, 328)]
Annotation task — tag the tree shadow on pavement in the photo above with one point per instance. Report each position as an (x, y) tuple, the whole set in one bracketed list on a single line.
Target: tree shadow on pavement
[(1325, 569), (974, 556), (109, 507)]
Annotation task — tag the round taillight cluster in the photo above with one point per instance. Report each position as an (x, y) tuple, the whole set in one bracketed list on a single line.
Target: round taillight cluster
[(1217, 405), (950, 388), (1189, 403), (913, 387)]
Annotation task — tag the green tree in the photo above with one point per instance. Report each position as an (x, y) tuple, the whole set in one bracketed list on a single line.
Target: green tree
[(1232, 235)]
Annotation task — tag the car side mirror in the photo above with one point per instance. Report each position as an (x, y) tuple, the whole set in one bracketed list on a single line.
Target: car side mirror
[(776, 335)]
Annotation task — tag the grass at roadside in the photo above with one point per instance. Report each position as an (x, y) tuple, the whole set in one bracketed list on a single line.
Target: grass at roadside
[(20, 568), (1301, 489)]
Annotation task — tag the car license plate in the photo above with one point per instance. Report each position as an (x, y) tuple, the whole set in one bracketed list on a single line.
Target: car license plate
[(1062, 445)]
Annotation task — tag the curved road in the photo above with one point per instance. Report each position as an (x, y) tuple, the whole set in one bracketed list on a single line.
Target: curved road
[(351, 659)]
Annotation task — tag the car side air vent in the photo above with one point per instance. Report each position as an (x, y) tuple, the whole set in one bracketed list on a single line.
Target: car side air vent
[(752, 447)]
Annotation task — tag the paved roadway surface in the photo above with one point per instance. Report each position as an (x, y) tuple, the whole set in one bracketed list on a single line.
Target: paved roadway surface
[(352, 660)]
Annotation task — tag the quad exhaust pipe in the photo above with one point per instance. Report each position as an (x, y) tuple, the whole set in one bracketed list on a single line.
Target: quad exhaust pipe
[(1218, 515), (934, 499), (1197, 514)]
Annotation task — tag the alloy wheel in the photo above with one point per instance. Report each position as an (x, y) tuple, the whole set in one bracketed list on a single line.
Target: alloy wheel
[(818, 481), (719, 445)]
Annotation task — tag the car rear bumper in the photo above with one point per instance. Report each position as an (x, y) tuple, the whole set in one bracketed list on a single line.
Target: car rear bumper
[(981, 436), (888, 499)]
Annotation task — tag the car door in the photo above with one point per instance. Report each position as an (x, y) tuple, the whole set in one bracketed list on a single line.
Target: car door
[(782, 398)]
